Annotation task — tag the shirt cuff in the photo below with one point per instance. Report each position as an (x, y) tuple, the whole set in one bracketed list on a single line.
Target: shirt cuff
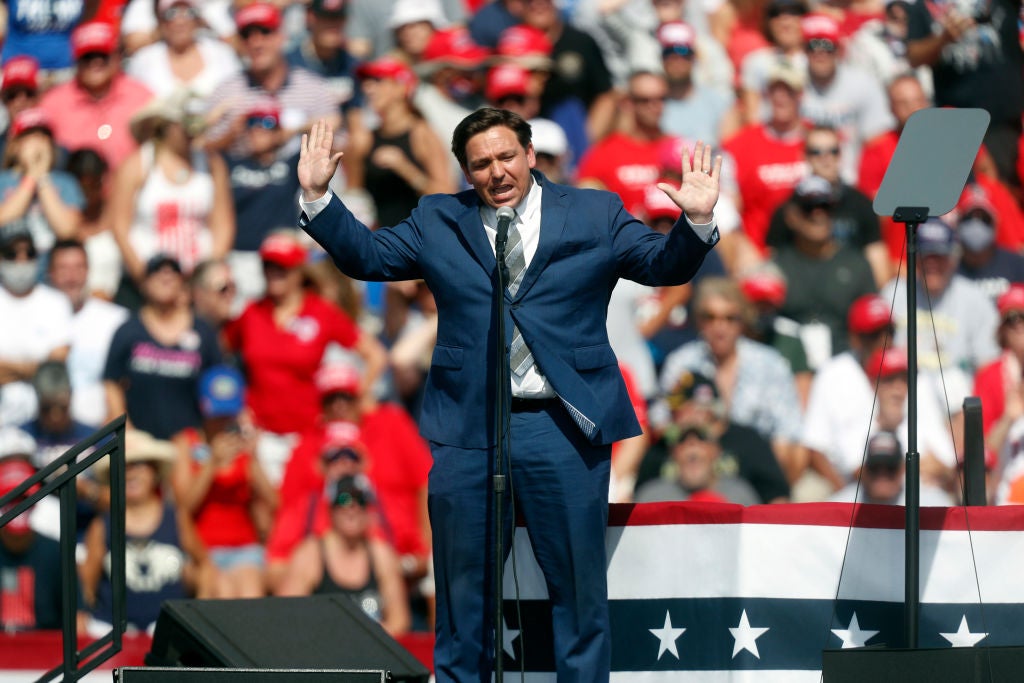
[(311, 209), (708, 232)]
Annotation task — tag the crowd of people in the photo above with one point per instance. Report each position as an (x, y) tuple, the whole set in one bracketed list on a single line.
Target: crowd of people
[(150, 265)]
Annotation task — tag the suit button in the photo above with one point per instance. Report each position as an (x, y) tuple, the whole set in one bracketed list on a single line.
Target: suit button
[(515, 307)]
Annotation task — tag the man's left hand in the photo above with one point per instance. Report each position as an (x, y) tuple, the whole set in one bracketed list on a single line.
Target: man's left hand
[(697, 194)]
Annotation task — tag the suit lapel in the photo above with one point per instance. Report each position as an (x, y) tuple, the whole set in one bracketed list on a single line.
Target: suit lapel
[(554, 210), (472, 229)]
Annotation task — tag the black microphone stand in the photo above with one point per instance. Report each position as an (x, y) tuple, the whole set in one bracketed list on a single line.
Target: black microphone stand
[(501, 412)]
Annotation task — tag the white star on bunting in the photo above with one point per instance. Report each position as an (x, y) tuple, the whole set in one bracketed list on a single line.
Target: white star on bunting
[(508, 636), (854, 636), (746, 637), (667, 637), (963, 636)]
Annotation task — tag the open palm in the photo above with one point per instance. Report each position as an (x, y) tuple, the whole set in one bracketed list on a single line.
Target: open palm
[(317, 161), (698, 191)]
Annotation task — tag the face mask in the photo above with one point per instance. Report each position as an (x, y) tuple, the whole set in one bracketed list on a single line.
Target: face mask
[(976, 234), (18, 276)]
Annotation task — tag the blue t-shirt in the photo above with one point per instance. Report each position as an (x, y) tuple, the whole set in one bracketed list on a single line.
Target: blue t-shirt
[(30, 583), (42, 29), (161, 383), (68, 189), (339, 72), (264, 198)]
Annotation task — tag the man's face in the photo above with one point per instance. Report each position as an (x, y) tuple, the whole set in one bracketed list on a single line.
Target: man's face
[(695, 457), (327, 33), (95, 70), (678, 64), (882, 481), (69, 272), (540, 14), (19, 98), (647, 93), (784, 103), (822, 150), (936, 271), (906, 96), (498, 167), (262, 47), (721, 323), (821, 58)]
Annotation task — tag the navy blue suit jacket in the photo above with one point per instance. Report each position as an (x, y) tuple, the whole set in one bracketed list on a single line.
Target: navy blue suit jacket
[(587, 242)]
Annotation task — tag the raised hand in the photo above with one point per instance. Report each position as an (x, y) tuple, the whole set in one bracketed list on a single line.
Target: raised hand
[(317, 163), (697, 194)]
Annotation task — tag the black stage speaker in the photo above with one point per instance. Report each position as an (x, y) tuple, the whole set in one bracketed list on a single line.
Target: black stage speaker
[(164, 675), (320, 632), (941, 665)]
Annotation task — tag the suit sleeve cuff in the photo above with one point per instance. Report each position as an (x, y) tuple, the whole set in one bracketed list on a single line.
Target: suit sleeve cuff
[(707, 232), (311, 209)]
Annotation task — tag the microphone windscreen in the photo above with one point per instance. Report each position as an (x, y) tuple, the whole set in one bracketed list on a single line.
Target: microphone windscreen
[(506, 213)]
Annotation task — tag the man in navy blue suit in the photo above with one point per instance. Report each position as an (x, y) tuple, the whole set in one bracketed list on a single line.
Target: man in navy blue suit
[(568, 400)]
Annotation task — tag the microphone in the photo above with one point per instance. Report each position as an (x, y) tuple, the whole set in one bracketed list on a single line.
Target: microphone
[(505, 216)]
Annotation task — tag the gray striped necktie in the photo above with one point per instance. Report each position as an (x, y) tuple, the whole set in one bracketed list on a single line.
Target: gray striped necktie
[(520, 358)]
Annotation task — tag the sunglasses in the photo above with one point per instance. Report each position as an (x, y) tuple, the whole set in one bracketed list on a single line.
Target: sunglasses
[(731, 318), (178, 12), (226, 289), (16, 93), (264, 122), (681, 50), (822, 151), (90, 57), (11, 254), (647, 100), (346, 499), (785, 12), (1013, 318), (248, 32), (887, 469), (821, 45)]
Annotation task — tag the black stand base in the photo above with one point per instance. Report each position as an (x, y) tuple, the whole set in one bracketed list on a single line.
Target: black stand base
[(943, 665)]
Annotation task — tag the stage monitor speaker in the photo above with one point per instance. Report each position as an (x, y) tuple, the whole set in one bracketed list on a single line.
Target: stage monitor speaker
[(940, 665), (206, 675), (319, 632)]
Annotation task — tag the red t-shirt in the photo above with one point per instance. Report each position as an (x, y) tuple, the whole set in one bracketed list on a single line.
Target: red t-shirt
[(768, 168), (398, 462), (224, 519), (625, 166), (281, 362), (988, 386)]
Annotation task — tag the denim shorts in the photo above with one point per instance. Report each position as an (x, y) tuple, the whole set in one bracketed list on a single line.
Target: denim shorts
[(226, 558)]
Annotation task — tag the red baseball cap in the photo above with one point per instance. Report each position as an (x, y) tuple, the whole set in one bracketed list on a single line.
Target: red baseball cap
[(337, 378), (455, 47), (764, 286), (976, 198), (868, 314), (93, 37), (819, 26), (888, 362), (266, 110), (523, 41), (283, 250), (1011, 300), (507, 79), (390, 68), (261, 14), (20, 72), (30, 119), (658, 205)]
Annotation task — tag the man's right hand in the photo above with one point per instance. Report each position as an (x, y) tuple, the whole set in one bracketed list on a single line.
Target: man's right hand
[(317, 163)]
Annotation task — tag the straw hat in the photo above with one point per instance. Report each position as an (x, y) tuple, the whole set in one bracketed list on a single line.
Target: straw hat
[(179, 106), (140, 446)]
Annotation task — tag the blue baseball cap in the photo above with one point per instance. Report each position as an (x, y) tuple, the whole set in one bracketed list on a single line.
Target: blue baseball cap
[(934, 236), (221, 392)]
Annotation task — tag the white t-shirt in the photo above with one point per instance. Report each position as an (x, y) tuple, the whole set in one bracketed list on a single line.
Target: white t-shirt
[(151, 66), (629, 345), (92, 329), (839, 421), (33, 326)]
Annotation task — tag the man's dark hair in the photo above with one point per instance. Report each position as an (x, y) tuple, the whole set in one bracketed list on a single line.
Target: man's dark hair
[(65, 245), (485, 119)]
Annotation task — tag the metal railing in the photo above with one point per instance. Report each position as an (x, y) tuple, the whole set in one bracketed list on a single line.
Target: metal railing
[(60, 476)]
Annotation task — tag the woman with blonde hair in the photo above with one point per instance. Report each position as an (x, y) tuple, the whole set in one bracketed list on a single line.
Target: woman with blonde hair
[(169, 196)]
